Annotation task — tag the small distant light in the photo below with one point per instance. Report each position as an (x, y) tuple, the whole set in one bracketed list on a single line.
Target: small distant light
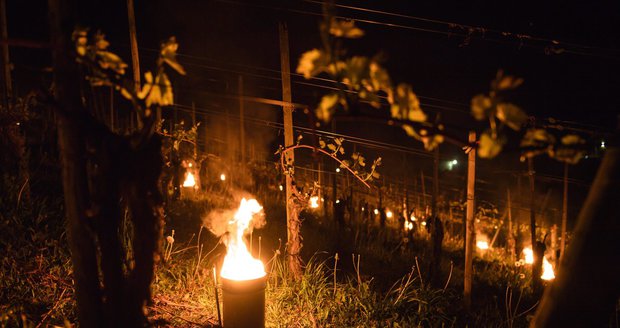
[(603, 144), (455, 162), (495, 227), (322, 199), (190, 164), (363, 209), (389, 214), (18, 123), (337, 170), (281, 187), (413, 217), (337, 201), (223, 177), (376, 211), (424, 223)]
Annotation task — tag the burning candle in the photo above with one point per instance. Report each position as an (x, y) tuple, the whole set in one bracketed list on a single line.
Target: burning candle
[(314, 202), (190, 181), (529, 255), (239, 263), (243, 276), (548, 273)]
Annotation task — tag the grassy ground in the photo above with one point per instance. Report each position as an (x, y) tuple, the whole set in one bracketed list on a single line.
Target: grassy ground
[(377, 280)]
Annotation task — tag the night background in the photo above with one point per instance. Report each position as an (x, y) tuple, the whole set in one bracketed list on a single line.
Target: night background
[(118, 208)]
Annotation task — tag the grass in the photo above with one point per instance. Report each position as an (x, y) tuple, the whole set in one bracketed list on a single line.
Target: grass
[(378, 279)]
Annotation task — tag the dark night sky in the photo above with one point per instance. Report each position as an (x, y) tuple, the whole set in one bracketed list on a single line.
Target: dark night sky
[(224, 38)]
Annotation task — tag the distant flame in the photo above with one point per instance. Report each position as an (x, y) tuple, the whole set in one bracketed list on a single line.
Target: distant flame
[(529, 255), (314, 202), (482, 244), (239, 263), (548, 273), (408, 225), (223, 177), (389, 214), (482, 241), (189, 180)]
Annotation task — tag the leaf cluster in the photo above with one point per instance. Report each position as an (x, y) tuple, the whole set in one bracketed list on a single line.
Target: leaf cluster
[(106, 68), (499, 112), (361, 79)]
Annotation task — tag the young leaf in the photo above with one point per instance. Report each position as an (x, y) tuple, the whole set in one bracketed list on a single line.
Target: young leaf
[(312, 63), (489, 147), (169, 54), (327, 107), (511, 115), (345, 29), (480, 107)]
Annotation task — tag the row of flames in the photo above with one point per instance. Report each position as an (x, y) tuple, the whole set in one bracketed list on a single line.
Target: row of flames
[(528, 258)]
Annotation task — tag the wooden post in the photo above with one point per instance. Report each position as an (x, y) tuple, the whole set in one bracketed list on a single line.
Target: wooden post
[(7, 87), (135, 60), (511, 237), (242, 122), (564, 213), (423, 190), (469, 225), (292, 216), (537, 265)]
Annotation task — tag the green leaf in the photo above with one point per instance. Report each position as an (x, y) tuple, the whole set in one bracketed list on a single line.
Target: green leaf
[(509, 82), (481, 107), (511, 115), (345, 29), (312, 63), (572, 139), (406, 105), (327, 107), (169, 54), (109, 60), (488, 146)]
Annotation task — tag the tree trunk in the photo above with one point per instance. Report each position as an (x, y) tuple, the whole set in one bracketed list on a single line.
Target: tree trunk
[(437, 232), (537, 248), (71, 143), (564, 212), (586, 287)]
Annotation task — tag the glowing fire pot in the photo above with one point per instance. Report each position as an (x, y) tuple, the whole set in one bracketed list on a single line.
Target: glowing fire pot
[(244, 302)]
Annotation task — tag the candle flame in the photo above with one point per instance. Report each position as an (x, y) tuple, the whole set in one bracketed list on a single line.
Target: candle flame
[(314, 202), (548, 273), (482, 244), (529, 255), (190, 181), (239, 263)]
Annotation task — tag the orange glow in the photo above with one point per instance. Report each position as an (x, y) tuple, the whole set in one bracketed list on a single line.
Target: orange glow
[(389, 214), (529, 255), (482, 244), (239, 263), (190, 181), (314, 202), (548, 273)]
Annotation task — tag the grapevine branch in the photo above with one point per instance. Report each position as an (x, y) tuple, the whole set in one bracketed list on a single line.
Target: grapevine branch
[(342, 164)]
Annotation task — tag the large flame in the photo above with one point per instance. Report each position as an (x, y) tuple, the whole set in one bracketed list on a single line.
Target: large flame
[(529, 255), (190, 181), (548, 273), (239, 263)]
